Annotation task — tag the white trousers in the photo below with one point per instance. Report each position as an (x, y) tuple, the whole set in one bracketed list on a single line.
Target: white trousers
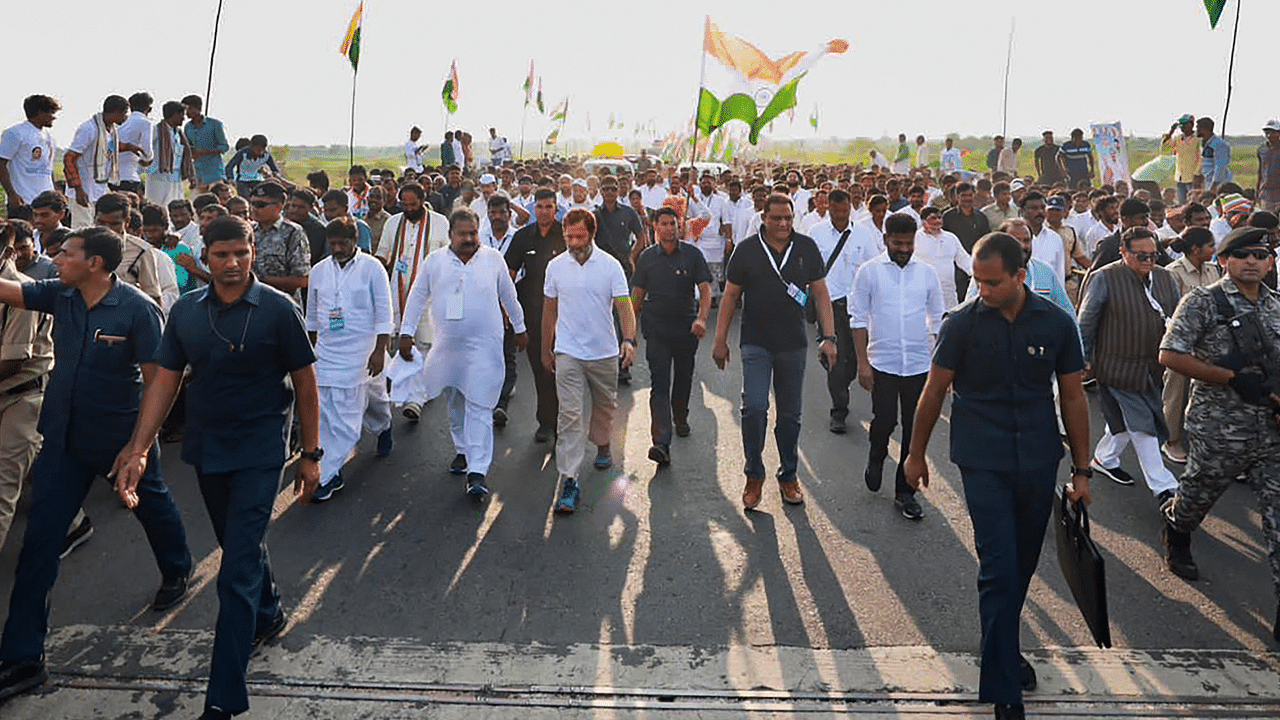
[(471, 426), (160, 191), (1147, 448), (343, 411), (81, 217)]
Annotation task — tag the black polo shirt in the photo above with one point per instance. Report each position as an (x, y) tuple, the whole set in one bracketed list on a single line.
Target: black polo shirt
[(317, 240), (614, 231), (968, 228), (668, 281), (771, 319), (530, 251), (1003, 414), (240, 355)]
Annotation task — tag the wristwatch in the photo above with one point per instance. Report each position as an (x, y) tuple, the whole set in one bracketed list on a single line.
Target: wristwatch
[(313, 455), (1084, 472), (629, 341), (825, 338)]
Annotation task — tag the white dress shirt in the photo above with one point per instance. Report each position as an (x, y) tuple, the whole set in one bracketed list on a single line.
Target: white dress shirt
[(348, 307), (711, 242), (742, 210), (135, 129), (860, 247), (943, 252), (1048, 248), (901, 309), (652, 197)]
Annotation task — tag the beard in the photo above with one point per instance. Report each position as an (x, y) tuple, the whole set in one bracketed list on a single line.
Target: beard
[(415, 215), (581, 254)]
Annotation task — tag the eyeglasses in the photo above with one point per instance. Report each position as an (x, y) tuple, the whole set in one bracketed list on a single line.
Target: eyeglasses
[(1256, 254), (1145, 257), (263, 203)]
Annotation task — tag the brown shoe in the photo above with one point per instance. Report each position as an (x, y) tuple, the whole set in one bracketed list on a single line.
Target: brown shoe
[(752, 492), (791, 493)]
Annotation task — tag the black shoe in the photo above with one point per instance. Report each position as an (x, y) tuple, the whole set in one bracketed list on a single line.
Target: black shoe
[(682, 428), (21, 676), (660, 454), (1011, 712), (1164, 498), (459, 465), (215, 714), (544, 433), (1028, 675), (837, 426), (1177, 553), (1275, 629), (1116, 473), (78, 536), (269, 633), (873, 475), (499, 417), (170, 593), (909, 506), (475, 485)]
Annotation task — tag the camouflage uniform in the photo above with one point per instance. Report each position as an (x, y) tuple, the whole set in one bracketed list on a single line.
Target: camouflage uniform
[(281, 250), (1226, 436)]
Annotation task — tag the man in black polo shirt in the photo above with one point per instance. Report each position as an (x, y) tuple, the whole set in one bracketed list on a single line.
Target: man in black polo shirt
[(616, 225), (244, 342), (531, 249), (774, 272), (1002, 352), (665, 277)]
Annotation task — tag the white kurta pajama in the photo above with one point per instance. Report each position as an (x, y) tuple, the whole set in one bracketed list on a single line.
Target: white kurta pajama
[(348, 308), (466, 301)]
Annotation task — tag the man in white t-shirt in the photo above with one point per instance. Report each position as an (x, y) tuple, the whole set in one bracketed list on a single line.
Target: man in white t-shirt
[(922, 152), (90, 162), (714, 238), (942, 251), (135, 131), (583, 287), (950, 160), (652, 193), (26, 152), (413, 150), (499, 149)]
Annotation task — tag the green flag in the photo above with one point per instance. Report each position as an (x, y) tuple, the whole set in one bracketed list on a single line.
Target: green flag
[(1214, 8), (450, 92)]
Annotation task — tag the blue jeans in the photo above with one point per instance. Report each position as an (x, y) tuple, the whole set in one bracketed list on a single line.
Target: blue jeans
[(239, 505), (786, 370), (1183, 189), (60, 480), (1010, 511)]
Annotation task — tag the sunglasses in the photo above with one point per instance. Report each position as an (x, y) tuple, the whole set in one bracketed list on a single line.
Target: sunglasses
[(263, 203), (1256, 254), (1146, 257)]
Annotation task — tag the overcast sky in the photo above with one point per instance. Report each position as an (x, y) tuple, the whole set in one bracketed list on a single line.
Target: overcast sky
[(929, 66)]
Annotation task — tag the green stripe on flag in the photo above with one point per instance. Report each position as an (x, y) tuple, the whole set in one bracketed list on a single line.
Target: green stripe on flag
[(353, 52), (447, 96), (713, 112), (1214, 8)]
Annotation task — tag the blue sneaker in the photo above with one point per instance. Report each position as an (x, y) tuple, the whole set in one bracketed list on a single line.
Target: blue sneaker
[(568, 502), (385, 442), (475, 485), (326, 490), (459, 465)]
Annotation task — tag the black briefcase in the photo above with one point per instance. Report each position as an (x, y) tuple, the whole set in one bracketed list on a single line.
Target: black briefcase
[(1082, 565)]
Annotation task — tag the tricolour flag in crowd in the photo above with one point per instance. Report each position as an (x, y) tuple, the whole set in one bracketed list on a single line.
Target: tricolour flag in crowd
[(813, 117), (542, 109), (528, 86), (351, 41), (449, 94), (1214, 8), (561, 110), (555, 135), (740, 82)]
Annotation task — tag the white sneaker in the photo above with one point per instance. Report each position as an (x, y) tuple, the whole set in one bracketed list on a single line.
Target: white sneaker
[(413, 411), (1173, 453)]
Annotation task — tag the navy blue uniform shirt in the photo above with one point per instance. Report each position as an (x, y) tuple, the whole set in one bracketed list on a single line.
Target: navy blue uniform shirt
[(240, 355), (669, 282), (1003, 414), (91, 402)]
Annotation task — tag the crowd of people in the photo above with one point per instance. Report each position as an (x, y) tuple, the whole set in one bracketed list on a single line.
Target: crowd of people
[(262, 309)]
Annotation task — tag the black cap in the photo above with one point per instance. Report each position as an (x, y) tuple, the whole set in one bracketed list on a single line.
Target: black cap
[(1244, 237), (268, 189)]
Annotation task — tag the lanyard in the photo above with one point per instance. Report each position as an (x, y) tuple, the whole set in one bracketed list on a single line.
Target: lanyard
[(1146, 287), (340, 279), (785, 256)]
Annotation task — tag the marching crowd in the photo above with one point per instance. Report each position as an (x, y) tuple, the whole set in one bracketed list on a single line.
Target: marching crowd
[(261, 309)]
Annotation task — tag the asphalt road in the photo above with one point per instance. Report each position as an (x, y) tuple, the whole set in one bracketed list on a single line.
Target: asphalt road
[(669, 557)]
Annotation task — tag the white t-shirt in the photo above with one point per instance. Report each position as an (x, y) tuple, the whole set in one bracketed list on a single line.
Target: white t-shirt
[(29, 150), (944, 253), (1048, 248), (585, 293), (83, 141), (412, 158), (922, 155), (136, 129)]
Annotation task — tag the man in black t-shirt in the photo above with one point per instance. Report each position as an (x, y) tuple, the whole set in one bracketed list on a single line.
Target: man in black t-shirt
[(774, 273)]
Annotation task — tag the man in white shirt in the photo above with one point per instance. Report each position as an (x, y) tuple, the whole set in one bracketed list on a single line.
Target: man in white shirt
[(499, 149), (583, 287), (413, 150), (26, 152), (816, 215), (941, 250), (922, 152), (349, 322), (91, 161), (739, 209), (407, 239), (715, 242), (1106, 219), (652, 193), (895, 310), (844, 247), (459, 156), (496, 232), (578, 196), (466, 288), (1008, 162), (950, 160), (799, 196), (135, 131), (1046, 245)]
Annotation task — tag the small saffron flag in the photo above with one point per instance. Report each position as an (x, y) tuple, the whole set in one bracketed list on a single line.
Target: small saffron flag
[(449, 94), (351, 41)]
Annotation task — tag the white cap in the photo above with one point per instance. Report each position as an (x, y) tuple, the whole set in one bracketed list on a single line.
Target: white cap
[(579, 182), (1272, 124), (488, 179)]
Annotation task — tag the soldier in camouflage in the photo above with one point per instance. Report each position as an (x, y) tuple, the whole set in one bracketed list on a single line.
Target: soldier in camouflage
[(1233, 422)]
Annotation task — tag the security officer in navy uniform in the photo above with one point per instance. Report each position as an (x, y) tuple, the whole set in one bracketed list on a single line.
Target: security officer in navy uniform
[(244, 342), (106, 341), (1000, 353), (1226, 337)]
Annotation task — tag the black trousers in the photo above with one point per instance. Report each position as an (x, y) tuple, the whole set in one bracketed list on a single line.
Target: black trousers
[(509, 360), (890, 393), (670, 357), (846, 367), (544, 381)]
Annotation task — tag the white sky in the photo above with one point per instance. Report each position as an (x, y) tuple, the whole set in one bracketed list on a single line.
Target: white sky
[(928, 67)]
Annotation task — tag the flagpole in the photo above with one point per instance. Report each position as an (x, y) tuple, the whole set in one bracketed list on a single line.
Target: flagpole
[(208, 88), (523, 123), (351, 145), (1008, 61), (1231, 66)]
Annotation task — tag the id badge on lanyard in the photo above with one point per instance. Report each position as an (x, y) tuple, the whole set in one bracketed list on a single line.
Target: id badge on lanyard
[(800, 296)]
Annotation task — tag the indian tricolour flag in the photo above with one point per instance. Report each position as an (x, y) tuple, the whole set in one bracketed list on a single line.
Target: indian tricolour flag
[(351, 41), (449, 93), (740, 82)]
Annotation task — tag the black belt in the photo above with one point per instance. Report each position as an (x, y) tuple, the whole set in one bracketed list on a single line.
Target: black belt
[(28, 386)]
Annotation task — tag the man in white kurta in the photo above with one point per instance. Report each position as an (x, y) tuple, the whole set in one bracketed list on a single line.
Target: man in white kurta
[(349, 320), (407, 238), (465, 287)]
